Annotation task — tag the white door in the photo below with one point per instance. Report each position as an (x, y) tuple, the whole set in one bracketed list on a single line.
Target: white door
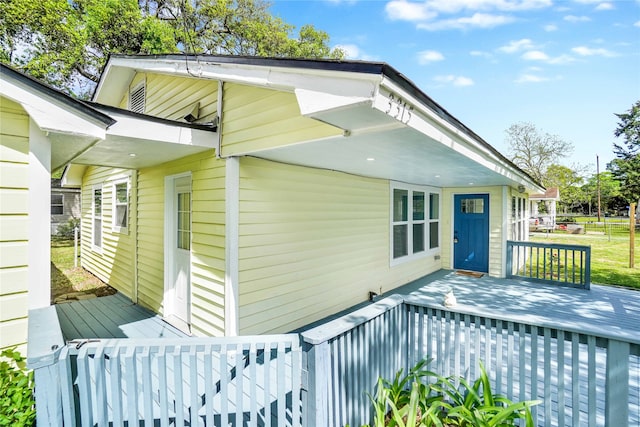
[(178, 249)]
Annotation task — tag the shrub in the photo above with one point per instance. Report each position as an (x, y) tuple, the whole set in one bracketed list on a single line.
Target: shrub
[(17, 402), (65, 230), (409, 401)]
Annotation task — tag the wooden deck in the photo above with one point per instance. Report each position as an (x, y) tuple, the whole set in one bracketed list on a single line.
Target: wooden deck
[(113, 316), (603, 310)]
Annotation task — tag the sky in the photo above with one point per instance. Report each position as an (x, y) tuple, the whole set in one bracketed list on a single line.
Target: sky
[(565, 66)]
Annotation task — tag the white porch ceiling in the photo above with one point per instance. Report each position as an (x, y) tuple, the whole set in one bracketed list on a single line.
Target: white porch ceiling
[(135, 142), (397, 154)]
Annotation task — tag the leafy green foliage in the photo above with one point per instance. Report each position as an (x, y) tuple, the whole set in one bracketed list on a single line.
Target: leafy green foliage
[(67, 42), (626, 167), (17, 403), (66, 229), (424, 399)]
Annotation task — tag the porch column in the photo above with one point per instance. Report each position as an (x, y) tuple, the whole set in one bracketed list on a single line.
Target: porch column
[(39, 218)]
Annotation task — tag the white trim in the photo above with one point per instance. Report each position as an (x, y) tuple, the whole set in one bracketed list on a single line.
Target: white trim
[(94, 247), (39, 195), (232, 218), (169, 218), (506, 202), (427, 190), (114, 204)]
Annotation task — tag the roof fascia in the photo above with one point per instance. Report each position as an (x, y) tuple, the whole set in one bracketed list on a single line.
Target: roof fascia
[(52, 110)]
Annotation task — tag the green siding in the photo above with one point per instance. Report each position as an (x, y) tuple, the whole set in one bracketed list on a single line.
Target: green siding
[(207, 257), (114, 264), (256, 119), (170, 97), (14, 224), (312, 243)]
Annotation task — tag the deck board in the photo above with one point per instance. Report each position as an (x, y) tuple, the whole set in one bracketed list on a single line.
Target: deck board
[(113, 316), (603, 310)]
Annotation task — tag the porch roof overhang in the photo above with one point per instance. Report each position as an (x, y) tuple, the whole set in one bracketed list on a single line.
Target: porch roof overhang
[(391, 129), (71, 125), (138, 141)]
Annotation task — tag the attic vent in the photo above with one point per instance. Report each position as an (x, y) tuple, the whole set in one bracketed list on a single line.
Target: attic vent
[(136, 99)]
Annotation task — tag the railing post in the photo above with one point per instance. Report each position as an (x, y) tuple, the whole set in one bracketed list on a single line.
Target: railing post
[(316, 359), (509, 259), (616, 410), (44, 346), (587, 270)]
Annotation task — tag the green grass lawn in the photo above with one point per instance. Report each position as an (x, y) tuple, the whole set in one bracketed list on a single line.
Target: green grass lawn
[(66, 278), (609, 256)]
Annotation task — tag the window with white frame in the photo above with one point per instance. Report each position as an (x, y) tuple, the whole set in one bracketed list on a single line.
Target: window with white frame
[(120, 206), (415, 221), (519, 220), (96, 218), (57, 204)]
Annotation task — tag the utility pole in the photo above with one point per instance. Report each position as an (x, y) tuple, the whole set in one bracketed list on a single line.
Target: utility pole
[(598, 180)]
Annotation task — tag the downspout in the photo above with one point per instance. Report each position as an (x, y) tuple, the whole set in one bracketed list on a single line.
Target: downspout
[(219, 112), (134, 186)]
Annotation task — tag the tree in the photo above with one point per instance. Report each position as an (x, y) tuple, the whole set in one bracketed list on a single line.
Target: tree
[(626, 167), (609, 191), (533, 151), (67, 42), (568, 181)]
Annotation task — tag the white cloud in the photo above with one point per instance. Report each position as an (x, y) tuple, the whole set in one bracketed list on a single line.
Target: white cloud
[(428, 56), (480, 53), (535, 55), (550, 28), (540, 56), (460, 14), (459, 81), (587, 51), (605, 6), (352, 51), (573, 18), (637, 24), (478, 20), (402, 10), (531, 78), (517, 46)]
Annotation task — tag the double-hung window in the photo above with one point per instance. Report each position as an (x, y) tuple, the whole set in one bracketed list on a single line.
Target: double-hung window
[(57, 204), (415, 221), (96, 218), (120, 206)]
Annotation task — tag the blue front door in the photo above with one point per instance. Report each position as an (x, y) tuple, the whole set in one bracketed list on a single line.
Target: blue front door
[(471, 232)]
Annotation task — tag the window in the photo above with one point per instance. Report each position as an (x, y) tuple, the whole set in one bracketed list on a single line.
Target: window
[(434, 220), (518, 218), (415, 222), (120, 206), (96, 218), (136, 98), (184, 221), (57, 204)]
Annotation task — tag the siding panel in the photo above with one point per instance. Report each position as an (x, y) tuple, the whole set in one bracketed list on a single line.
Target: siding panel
[(312, 243), (208, 230), (115, 263), (256, 118), (14, 224)]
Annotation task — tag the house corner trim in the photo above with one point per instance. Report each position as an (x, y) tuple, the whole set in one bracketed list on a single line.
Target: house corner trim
[(232, 218)]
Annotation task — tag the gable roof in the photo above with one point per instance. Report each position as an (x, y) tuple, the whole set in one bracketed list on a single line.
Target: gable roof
[(326, 90)]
